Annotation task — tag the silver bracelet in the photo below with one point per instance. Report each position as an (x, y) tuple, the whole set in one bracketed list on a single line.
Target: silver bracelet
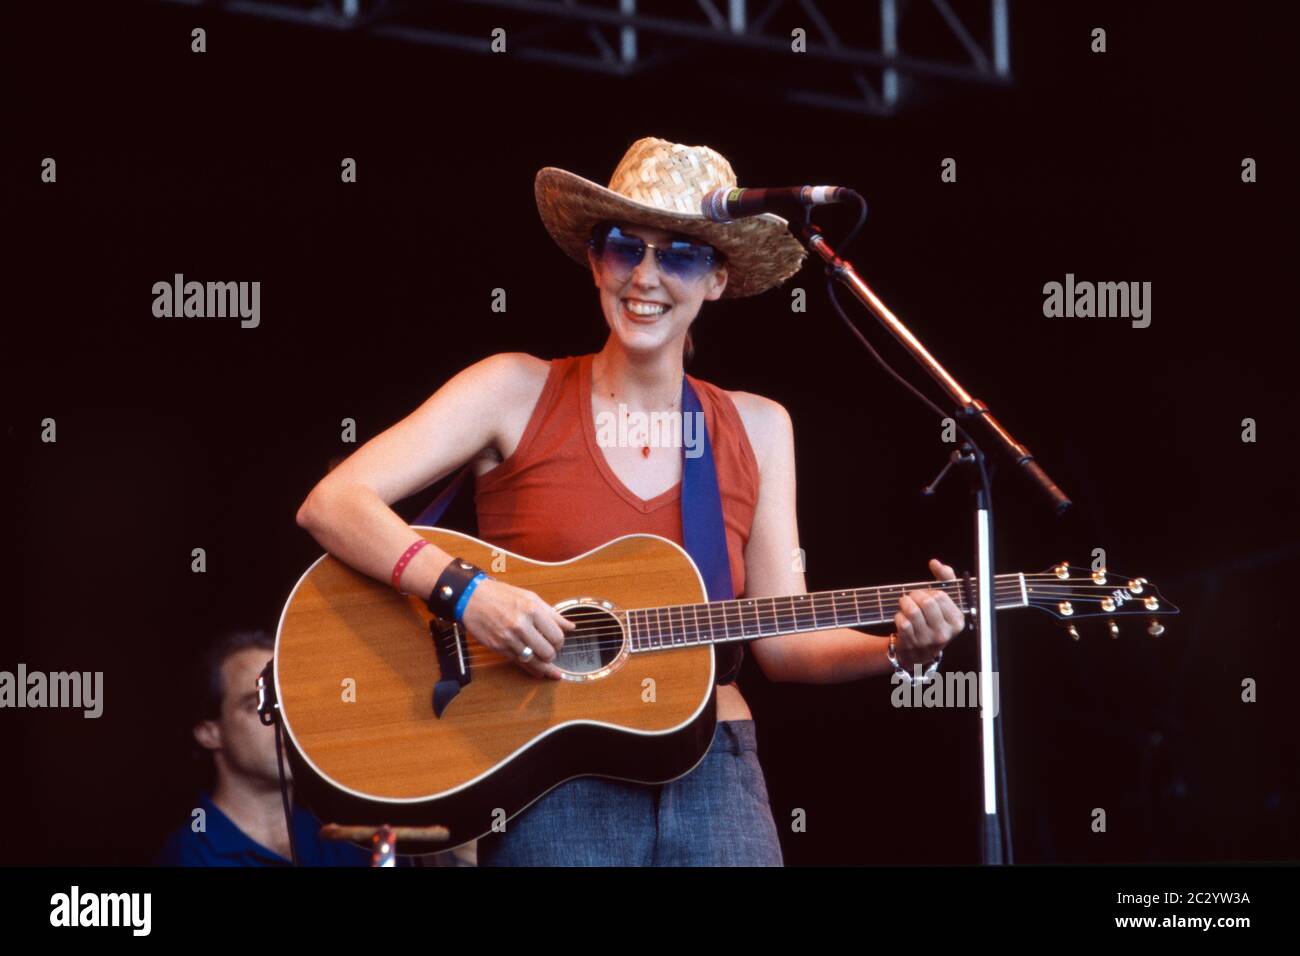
[(900, 669)]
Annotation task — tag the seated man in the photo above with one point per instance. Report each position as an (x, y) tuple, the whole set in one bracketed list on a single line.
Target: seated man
[(242, 823)]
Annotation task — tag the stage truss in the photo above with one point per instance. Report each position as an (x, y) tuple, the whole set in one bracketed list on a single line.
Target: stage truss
[(855, 57)]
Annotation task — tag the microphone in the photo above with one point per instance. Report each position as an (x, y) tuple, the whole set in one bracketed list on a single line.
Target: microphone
[(789, 202)]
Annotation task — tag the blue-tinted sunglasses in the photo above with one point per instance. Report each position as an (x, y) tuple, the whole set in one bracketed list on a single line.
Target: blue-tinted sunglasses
[(681, 258)]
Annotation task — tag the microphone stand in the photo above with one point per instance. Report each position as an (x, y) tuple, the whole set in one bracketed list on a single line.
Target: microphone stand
[(973, 463)]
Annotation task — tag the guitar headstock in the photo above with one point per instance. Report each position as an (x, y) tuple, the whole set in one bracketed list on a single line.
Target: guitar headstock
[(1069, 593)]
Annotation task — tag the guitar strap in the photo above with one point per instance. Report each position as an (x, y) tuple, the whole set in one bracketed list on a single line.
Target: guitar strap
[(430, 515), (703, 531)]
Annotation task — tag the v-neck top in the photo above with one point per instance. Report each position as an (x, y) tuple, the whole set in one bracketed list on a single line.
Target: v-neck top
[(556, 497)]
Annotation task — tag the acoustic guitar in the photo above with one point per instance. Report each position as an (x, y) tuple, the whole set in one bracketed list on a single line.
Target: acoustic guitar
[(394, 717)]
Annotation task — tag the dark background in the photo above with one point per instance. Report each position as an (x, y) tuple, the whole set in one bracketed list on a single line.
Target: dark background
[(178, 434)]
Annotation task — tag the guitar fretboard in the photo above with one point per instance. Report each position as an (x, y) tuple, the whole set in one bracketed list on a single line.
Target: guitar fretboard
[(746, 619)]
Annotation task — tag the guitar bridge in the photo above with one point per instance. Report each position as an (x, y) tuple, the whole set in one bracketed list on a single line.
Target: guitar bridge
[(453, 662)]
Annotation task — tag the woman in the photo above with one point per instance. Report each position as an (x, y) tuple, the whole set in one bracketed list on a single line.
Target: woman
[(548, 489)]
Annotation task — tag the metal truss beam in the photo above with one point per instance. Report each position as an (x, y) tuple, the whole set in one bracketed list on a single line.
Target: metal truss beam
[(621, 38)]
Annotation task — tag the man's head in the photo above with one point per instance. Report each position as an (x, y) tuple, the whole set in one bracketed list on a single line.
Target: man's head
[(242, 747), (652, 282)]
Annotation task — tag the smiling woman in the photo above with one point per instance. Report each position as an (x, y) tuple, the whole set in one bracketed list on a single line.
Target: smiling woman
[(548, 488), (620, 249), (659, 294)]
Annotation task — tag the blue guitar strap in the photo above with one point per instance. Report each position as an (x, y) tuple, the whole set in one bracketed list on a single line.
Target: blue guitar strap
[(430, 515), (703, 531)]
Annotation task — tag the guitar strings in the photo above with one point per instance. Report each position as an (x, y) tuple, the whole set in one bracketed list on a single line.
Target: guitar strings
[(599, 637), (830, 601), (1004, 584)]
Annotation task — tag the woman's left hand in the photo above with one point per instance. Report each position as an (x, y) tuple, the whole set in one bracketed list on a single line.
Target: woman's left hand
[(926, 620)]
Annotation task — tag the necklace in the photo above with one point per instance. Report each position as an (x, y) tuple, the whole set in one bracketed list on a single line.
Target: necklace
[(645, 449)]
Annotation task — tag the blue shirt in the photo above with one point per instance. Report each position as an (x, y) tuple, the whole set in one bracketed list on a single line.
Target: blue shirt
[(224, 844)]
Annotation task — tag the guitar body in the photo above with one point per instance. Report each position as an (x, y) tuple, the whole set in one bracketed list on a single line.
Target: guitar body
[(356, 665)]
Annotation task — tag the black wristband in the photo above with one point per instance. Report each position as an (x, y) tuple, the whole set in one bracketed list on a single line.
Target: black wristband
[(450, 585)]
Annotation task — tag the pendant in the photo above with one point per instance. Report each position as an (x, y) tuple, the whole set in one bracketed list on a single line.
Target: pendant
[(645, 451)]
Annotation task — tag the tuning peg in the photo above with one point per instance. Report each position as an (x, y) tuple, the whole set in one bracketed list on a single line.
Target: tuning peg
[(1073, 632), (1151, 603), (1066, 608), (1108, 603), (1099, 577), (1114, 629), (1156, 629), (1062, 570), (1135, 586)]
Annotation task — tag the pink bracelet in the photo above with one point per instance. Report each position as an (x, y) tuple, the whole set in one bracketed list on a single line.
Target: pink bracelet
[(402, 562)]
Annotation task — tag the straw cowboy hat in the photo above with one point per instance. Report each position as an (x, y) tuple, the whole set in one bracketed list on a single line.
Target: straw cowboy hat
[(661, 184)]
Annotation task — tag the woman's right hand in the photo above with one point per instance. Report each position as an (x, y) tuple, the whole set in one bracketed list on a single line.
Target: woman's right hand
[(506, 619)]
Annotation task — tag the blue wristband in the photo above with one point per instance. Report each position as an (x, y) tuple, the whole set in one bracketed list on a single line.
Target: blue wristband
[(464, 596)]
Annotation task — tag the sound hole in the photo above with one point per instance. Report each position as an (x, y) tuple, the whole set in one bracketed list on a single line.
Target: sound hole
[(594, 643)]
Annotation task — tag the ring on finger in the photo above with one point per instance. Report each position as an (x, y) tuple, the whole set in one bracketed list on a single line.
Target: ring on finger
[(525, 655)]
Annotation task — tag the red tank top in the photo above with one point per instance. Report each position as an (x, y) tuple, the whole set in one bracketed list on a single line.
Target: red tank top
[(526, 504)]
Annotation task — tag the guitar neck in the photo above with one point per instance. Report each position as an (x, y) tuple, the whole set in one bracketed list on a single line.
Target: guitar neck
[(747, 619)]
